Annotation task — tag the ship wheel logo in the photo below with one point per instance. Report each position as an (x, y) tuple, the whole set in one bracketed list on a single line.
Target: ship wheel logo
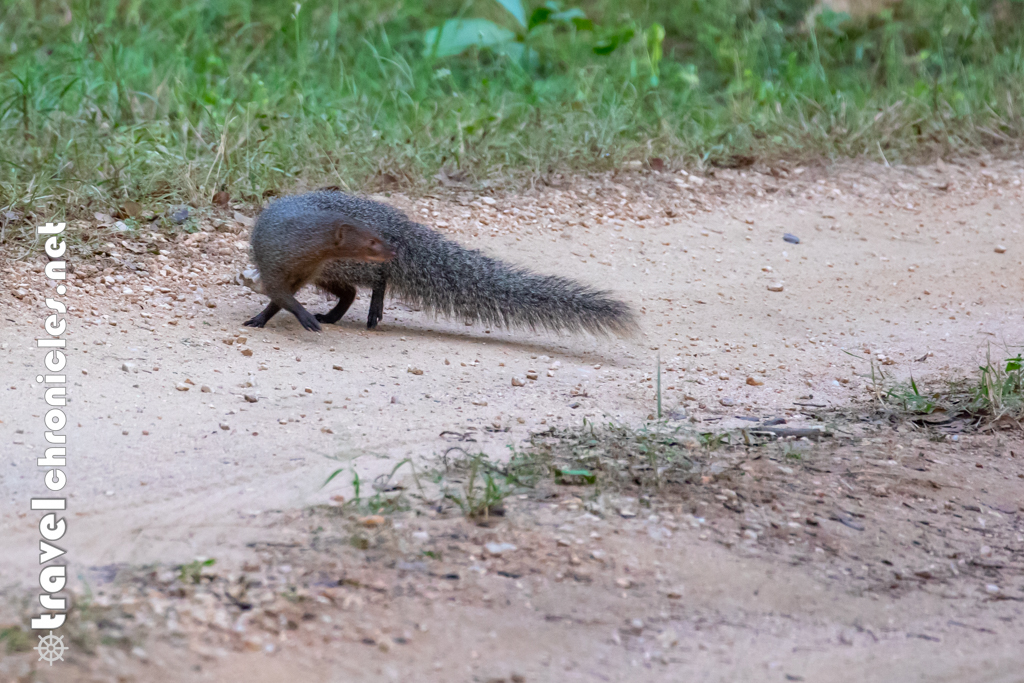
[(51, 648)]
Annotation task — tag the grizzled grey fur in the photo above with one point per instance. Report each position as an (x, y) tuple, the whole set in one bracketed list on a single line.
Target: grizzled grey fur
[(447, 279)]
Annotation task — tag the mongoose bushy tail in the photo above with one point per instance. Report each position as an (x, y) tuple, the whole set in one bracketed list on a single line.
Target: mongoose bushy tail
[(291, 244), (450, 280)]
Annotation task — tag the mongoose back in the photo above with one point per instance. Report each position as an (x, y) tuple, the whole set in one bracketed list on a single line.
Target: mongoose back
[(448, 279), (292, 243)]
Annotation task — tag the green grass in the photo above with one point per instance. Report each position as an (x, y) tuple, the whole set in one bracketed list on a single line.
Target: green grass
[(482, 484), (113, 100), (193, 571), (13, 639), (994, 395)]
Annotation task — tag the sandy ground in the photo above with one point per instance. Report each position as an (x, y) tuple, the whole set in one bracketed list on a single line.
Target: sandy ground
[(919, 269)]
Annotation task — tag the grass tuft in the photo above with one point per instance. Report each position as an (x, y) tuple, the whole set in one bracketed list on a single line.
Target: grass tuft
[(995, 395)]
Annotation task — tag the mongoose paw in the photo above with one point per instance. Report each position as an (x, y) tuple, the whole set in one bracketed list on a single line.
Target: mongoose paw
[(323, 318), (309, 322), (255, 322)]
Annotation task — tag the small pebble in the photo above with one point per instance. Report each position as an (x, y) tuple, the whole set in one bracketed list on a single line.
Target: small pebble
[(1000, 249), (754, 382), (727, 401), (251, 398), (499, 548), (225, 426), (413, 371), (518, 382), (181, 386), (792, 239), (205, 389), (775, 287)]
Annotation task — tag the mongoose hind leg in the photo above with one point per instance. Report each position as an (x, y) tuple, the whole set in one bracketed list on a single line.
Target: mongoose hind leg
[(306, 319), (265, 315), (286, 300), (346, 295), (376, 306)]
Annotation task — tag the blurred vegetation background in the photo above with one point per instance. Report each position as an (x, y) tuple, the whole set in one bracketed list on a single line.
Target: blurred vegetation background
[(103, 101)]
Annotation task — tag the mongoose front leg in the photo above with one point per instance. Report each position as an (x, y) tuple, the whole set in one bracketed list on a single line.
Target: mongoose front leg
[(265, 315), (376, 305), (346, 295)]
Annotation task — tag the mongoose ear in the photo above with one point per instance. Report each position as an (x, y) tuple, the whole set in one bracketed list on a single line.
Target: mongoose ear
[(339, 232)]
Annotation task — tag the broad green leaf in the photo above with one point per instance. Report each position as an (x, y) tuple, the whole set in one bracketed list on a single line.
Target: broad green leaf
[(583, 24), (832, 21), (569, 15), (512, 49), (526, 57), (456, 36), (516, 9), (610, 43), (539, 16)]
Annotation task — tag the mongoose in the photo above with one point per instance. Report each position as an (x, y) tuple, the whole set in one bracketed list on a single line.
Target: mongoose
[(446, 278), (292, 242)]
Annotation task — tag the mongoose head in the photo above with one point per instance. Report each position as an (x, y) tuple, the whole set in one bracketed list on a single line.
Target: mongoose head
[(363, 244)]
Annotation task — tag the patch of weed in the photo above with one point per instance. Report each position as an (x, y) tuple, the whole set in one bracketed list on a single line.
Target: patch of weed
[(13, 639), (193, 571)]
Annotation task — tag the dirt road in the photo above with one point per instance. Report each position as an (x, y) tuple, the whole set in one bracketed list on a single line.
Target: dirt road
[(920, 270)]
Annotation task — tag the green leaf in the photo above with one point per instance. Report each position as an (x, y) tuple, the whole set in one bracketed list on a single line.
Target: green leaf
[(609, 43), (833, 21), (655, 37), (333, 475), (516, 9), (456, 36), (538, 17), (569, 15), (566, 476), (513, 50), (583, 24)]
